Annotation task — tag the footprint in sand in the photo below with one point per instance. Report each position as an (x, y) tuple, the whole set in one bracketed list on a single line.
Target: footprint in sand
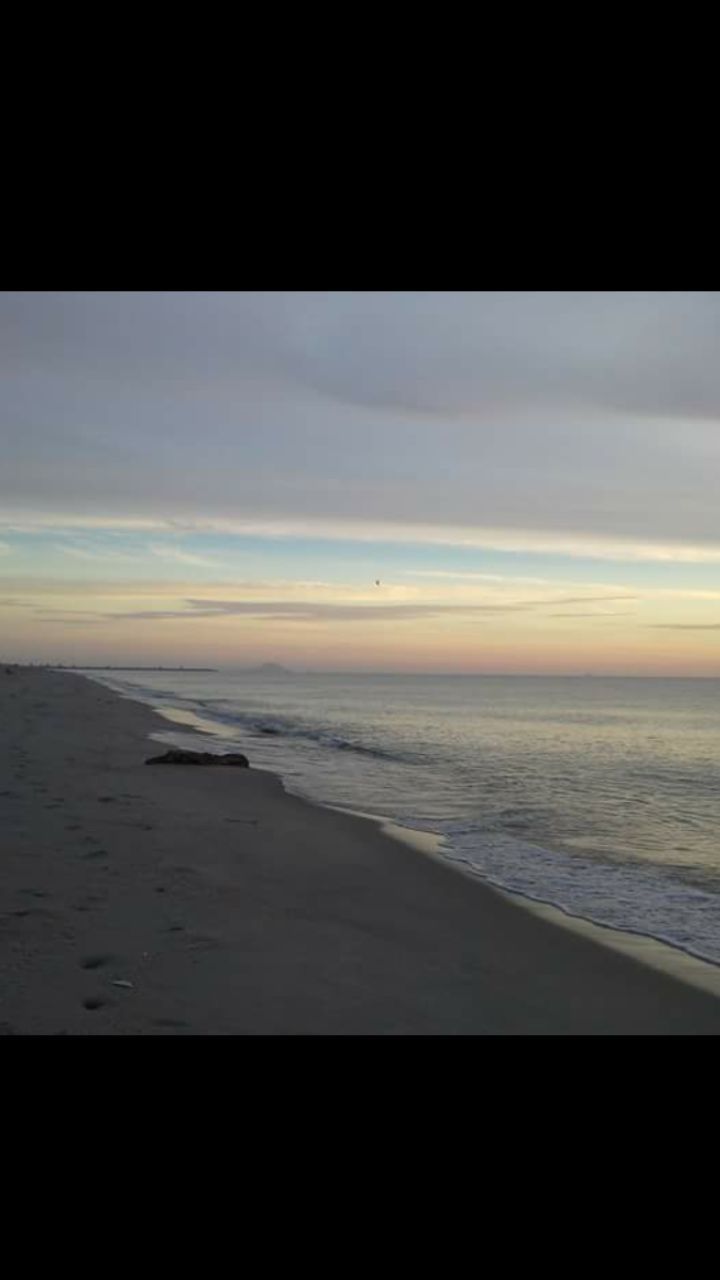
[(95, 1002), (95, 961), (89, 903), (203, 942), (41, 912)]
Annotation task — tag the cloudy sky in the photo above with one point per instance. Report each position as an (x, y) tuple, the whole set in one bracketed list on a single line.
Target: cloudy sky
[(223, 478)]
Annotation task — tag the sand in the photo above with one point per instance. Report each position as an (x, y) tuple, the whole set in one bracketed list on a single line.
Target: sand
[(141, 900)]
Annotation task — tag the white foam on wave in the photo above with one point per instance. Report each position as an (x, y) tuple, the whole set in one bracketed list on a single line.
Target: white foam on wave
[(631, 897)]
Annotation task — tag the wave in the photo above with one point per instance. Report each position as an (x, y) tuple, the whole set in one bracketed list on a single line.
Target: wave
[(142, 692), (217, 711), (651, 901), (287, 727), (228, 717)]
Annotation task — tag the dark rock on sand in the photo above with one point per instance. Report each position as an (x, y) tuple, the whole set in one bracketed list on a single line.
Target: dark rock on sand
[(199, 757)]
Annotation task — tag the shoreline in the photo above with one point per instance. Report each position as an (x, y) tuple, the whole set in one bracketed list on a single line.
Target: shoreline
[(647, 948), (183, 901)]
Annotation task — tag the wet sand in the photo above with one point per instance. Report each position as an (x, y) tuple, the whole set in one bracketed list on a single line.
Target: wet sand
[(180, 900)]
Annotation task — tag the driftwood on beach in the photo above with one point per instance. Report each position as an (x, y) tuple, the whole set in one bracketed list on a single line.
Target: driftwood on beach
[(199, 757)]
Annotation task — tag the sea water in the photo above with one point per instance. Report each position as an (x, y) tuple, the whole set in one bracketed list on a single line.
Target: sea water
[(598, 795)]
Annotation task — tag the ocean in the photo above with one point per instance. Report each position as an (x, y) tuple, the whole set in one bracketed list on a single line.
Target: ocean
[(598, 795)]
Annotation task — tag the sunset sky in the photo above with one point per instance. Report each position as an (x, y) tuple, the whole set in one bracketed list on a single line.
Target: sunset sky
[(222, 479)]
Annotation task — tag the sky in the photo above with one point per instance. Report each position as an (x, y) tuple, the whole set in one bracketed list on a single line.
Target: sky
[(429, 481)]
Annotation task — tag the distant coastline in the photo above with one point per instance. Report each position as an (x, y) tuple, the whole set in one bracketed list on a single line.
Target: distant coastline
[(63, 667)]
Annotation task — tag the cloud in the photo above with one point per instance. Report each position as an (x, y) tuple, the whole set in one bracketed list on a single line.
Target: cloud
[(105, 554), (110, 554), (232, 605), (5, 550), (583, 423), (578, 545), (314, 611), (585, 599), (471, 576), (102, 587), (684, 626), (69, 622), (683, 593), (293, 610), (178, 556)]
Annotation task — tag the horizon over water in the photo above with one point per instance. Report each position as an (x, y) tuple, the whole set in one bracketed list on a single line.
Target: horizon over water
[(597, 794)]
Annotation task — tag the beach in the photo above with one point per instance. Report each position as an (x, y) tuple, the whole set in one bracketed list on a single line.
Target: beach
[(192, 901)]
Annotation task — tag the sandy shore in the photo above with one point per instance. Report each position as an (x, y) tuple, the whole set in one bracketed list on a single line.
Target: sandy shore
[(225, 906)]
